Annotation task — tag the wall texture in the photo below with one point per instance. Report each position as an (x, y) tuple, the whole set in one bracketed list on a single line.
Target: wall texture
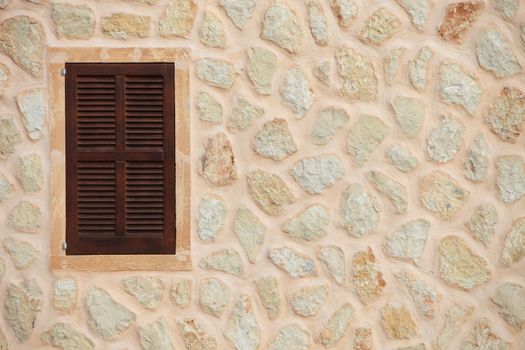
[(358, 177)]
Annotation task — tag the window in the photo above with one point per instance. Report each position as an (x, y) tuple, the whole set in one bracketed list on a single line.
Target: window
[(109, 151)]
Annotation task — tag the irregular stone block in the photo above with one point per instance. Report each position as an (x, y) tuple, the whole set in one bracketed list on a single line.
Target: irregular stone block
[(210, 110), (177, 18), (34, 106), (506, 116), (410, 114), (444, 141), (180, 293), (337, 325), (22, 253), (329, 121), (482, 337), (250, 232), (389, 188), (214, 296), (425, 296), (391, 64), (195, 338), (62, 335), (309, 225), (216, 72), (260, 67), (212, 211), (217, 163), (282, 27), (73, 21), (455, 317), (243, 115), (23, 303), (495, 54), (344, 11), (292, 262), (155, 336), (268, 290), (418, 68), (440, 194), (290, 337), (123, 26), (397, 322), (458, 19), (478, 158), (368, 278), (224, 260), (7, 187), (239, 11), (481, 223), (401, 158), (359, 211), (296, 92), (333, 258), (364, 137), (30, 173), (408, 241), (510, 302), (380, 26), (269, 191), (318, 24), (147, 291), (358, 74), (65, 294), (316, 174), (418, 11), (9, 136), (211, 31), (514, 245), (274, 140), (510, 178), (308, 301), (242, 329)]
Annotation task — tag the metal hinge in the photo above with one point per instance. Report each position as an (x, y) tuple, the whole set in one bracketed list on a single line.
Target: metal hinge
[(64, 245), (63, 72)]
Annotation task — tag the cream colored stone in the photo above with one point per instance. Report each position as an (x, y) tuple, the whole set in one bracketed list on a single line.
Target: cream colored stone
[(282, 27), (217, 163), (510, 302), (268, 290), (514, 245), (329, 121), (146, 290), (317, 174), (391, 64), (22, 253), (401, 158), (242, 329), (180, 293), (3, 5), (64, 336), (364, 137), (418, 11), (239, 11), (458, 19), (333, 258), (224, 260), (441, 195), (292, 262), (478, 159), (408, 241), (322, 72), (418, 68), (459, 86), (363, 339), (243, 115), (274, 140), (73, 21), (425, 297), (482, 221), (250, 232), (123, 26), (455, 317), (495, 54), (33, 106), (337, 325), (210, 110), (359, 211), (212, 211), (155, 336), (291, 337), (216, 72), (296, 92), (214, 296), (2, 270), (211, 31), (308, 301), (345, 11), (309, 225), (195, 338), (380, 26), (9, 136), (367, 276), (22, 306), (444, 141), (318, 23), (65, 294), (394, 191), (507, 8), (358, 74), (25, 217), (4, 77), (260, 67), (7, 188), (510, 178), (269, 191), (178, 18), (410, 114), (397, 322), (30, 173), (482, 337), (506, 116)]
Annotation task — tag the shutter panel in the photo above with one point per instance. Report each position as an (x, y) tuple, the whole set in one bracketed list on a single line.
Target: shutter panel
[(120, 158)]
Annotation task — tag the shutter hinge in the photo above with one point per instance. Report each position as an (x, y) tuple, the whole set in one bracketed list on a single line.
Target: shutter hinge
[(63, 72), (64, 245)]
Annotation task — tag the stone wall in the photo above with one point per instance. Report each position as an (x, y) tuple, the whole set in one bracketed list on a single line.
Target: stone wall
[(358, 177)]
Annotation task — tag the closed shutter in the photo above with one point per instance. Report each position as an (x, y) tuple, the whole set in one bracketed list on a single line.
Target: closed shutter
[(120, 158)]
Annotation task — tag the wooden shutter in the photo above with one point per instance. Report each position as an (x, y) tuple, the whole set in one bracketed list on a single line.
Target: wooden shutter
[(120, 158)]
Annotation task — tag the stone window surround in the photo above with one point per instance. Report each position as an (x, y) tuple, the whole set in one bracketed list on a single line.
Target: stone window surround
[(181, 260)]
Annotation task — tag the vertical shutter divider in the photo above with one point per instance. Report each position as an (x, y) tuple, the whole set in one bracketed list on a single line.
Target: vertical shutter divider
[(120, 136)]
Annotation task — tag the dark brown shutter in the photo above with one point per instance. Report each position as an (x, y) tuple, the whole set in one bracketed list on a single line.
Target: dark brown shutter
[(120, 158)]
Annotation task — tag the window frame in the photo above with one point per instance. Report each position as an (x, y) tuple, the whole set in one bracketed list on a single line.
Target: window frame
[(181, 260)]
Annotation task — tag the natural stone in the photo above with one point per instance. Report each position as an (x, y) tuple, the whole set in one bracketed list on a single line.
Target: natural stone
[(177, 18), (478, 157), (73, 21), (291, 337), (147, 2), (495, 54), (344, 11), (33, 106), (337, 325), (380, 26), (482, 337), (282, 27), (358, 74), (9, 136), (269, 191), (458, 19), (425, 296), (401, 158), (391, 64), (418, 11), (22, 38), (239, 11), (3, 5), (444, 141), (318, 24), (415, 347), (510, 178), (148, 291), (368, 278), (123, 26), (7, 188), (195, 338), (180, 293), (322, 72), (292, 262), (510, 303), (224, 260), (242, 329), (394, 191), (359, 211), (25, 217), (65, 294), (310, 225), (243, 115), (2, 270), (23, 303), (455, 317), (397, 322), (507, 8), (482, 221), (296, 92), (250, 232), (216, 72), (214, 296), (506, 116), (363, 339), (440, 194), (333, 258), (260, 67), (268, 290), (22, 253), (4, 77), (217, 163), (62, 335), (211, 31), (316, 174), (410, 114), (459, 266), (418, 68), (210, 110), (212, 211), (106, 317), (364, 137), (155, 336), (458, 86), (329, 121), (408, 241), (514, 245), (3, 340), (30, 173), (308, 301), (274, 140)]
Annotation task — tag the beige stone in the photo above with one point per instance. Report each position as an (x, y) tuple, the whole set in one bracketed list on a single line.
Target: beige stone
[(180, 293), (210, 110), (268, 290), (260, 67), (296, 92), (507, 8), (178, 18), (391, 64), (308, 301), (73, 21), (282, 27), (25, 217), (34, 106), (214, 295), (401, 158), (217, 163), (7, 188), (322, 72), (212, 211), (2, 268), (421, 346), (344, 11), (482, 337), (22, 253), (482, 221), (333, 258), (459, 86), (380, 26), (364, 137), (269, 191), (123, 26), (146, 290), (242, 329), (318, 23), (317, 174), (458, 19), (506, 116), (292, 262), (418, 11), (224, 260), (194, 336), (459, 266), (394, 191), (22, 306), (418, 68), (476, 166), (243, 115), (444, 141), (337, 325), (22, 38), (65, 294), (408, 241), (495, 54), (410, 114), (514, 245), (455, 317), (363, 339), (309, 225), (30, 173), (3, 5), (4, 78), (510, 178), (211, 31), (155, 336), (239, 11), (250, 232), (64, 336), (9, 136), (329, 121), (441, 195), (274, 140), (358, 74), (510, 302), (367, 276), (397, 322), (216, 72), (425, 296), (359, 211), (291, 337)]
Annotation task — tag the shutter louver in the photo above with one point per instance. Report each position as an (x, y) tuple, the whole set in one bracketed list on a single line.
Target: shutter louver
[(120, 158)]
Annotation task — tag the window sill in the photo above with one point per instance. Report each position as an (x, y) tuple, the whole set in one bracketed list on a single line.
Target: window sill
[(98, 263)]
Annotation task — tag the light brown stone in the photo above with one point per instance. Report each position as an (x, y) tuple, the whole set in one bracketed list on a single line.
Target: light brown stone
[(444, 141), (155, 336), (65, 294), (123, 26), (455, 317), (291, 337), (180, 293), (401, 158), (239, 11), (30, 173), (410, 114), (243, 115), (9, 136), (364, 137), (22, 253), (73, 21), (394, 191), (458, 19), (177, 18), (260, 67), (242, 329), (308, 301), (274, 140), (4, 77), (367, 276), (363, 339), (418, 68), (269, 191), (507, 8), (268, 290), (282, 27), (210, 110), (482, 221), (64, 336), (217, 163), (309, 225), (7, 187), (425, 296), (510, 178), (441, 195), (250, 232), (391, 64), (476, 165), (224, 260), (146, 290), (358, 74), (510, 302), (194, 336), (506, 116), (22, 306), (397, 322), (318, 23), (514, 245), (322, 72), (380, 26), (25, 217), (344, 11), (214, 296), (329, 121), (337, 325), (482, 337), (211, 31)]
